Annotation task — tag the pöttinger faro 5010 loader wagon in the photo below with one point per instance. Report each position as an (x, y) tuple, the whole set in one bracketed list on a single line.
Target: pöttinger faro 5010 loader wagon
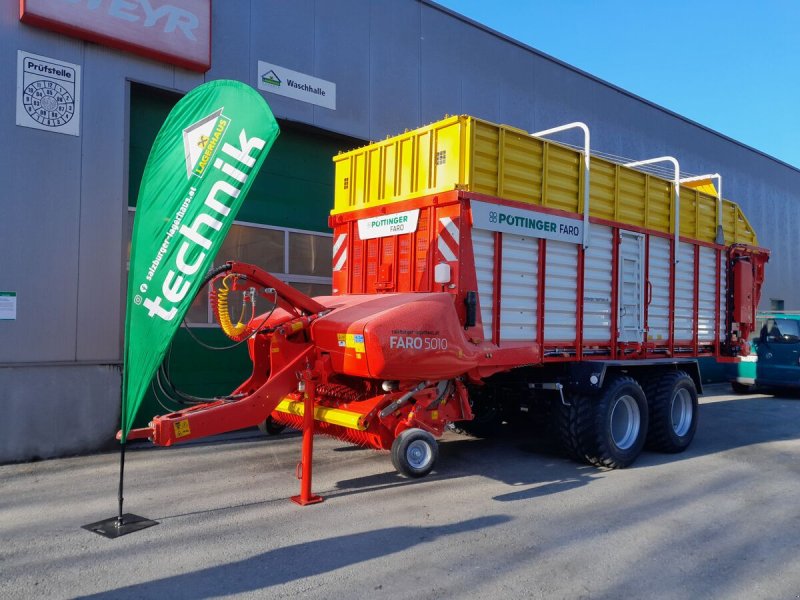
[(480, 271)]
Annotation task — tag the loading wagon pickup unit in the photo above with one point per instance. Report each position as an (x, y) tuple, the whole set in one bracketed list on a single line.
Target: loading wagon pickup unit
[(481, 273)]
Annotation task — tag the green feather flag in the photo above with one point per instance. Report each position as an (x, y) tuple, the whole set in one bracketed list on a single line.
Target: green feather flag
[(199, 171)]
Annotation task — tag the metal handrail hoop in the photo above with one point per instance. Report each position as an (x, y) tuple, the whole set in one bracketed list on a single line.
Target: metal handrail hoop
[(586, 161), (676, 182)]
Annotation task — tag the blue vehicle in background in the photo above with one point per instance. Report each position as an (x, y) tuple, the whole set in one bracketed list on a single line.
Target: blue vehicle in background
[(774, 360)]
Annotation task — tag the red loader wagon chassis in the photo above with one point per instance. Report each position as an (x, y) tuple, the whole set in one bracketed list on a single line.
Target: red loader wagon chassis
[(466, 309)]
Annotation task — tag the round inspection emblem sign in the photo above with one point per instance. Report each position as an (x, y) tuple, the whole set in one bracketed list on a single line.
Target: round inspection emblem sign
[(48, 103)]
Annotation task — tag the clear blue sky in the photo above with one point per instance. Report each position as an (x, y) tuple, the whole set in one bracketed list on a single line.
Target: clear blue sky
[(738, 59)]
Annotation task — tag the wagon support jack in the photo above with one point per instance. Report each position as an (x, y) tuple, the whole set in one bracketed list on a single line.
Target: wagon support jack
[(308, 385)]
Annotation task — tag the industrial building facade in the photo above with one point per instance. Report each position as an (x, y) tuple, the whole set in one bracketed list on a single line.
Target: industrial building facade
[(80, 108)]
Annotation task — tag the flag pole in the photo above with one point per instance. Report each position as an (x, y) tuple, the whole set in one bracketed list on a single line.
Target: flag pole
[(122, 524), (120, 499)]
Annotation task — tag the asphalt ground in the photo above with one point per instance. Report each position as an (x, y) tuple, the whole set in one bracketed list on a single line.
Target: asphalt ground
[(502, 518)]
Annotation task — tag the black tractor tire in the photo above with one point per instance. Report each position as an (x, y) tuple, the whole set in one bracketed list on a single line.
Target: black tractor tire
[(620, 424), (574, 423), (672, 401), (270, 426), (742, 388), (414, 453), (608, 430)]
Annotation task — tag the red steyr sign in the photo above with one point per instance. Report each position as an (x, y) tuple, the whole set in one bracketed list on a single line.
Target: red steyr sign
[(174, 31)]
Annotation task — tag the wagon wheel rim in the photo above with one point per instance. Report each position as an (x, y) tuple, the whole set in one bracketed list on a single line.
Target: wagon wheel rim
[(625, 422), (681, 412)]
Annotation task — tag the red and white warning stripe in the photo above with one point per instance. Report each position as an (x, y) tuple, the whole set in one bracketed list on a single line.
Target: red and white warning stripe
[(340, 252), (448, 239)]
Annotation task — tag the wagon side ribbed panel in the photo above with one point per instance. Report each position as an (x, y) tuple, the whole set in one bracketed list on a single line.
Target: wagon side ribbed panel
[(684, 293), (483, 249), (518, 288), (707, 291), (561, 288), (597, 285), (659, 277)]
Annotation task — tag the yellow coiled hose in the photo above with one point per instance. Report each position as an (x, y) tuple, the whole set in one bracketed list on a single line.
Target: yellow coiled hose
[(219, 303)]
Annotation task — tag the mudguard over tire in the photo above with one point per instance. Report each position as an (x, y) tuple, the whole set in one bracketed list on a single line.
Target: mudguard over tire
[(672, 400), (608, 430), (414, 452)]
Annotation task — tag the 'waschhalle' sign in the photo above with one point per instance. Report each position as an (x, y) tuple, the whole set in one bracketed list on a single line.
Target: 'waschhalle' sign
[(174, 31)]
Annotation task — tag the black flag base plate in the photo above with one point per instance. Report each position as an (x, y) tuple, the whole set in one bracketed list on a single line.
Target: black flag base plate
[(114, 528)]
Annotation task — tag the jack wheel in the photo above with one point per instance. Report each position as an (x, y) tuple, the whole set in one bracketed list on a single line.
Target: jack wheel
[(270, 426), (414, 452)]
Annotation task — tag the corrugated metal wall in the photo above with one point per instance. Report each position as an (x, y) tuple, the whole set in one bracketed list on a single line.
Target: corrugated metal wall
[(396, 65)]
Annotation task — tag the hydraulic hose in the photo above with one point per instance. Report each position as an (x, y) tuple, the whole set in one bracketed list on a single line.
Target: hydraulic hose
[(219, 302)]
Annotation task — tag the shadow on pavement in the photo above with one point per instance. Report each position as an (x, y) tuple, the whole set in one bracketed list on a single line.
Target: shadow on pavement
[(492, 458), (282, 565), (724, 425)]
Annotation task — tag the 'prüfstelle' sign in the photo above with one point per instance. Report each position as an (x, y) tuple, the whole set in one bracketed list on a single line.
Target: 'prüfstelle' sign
[(48, 93), (174, 31)]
